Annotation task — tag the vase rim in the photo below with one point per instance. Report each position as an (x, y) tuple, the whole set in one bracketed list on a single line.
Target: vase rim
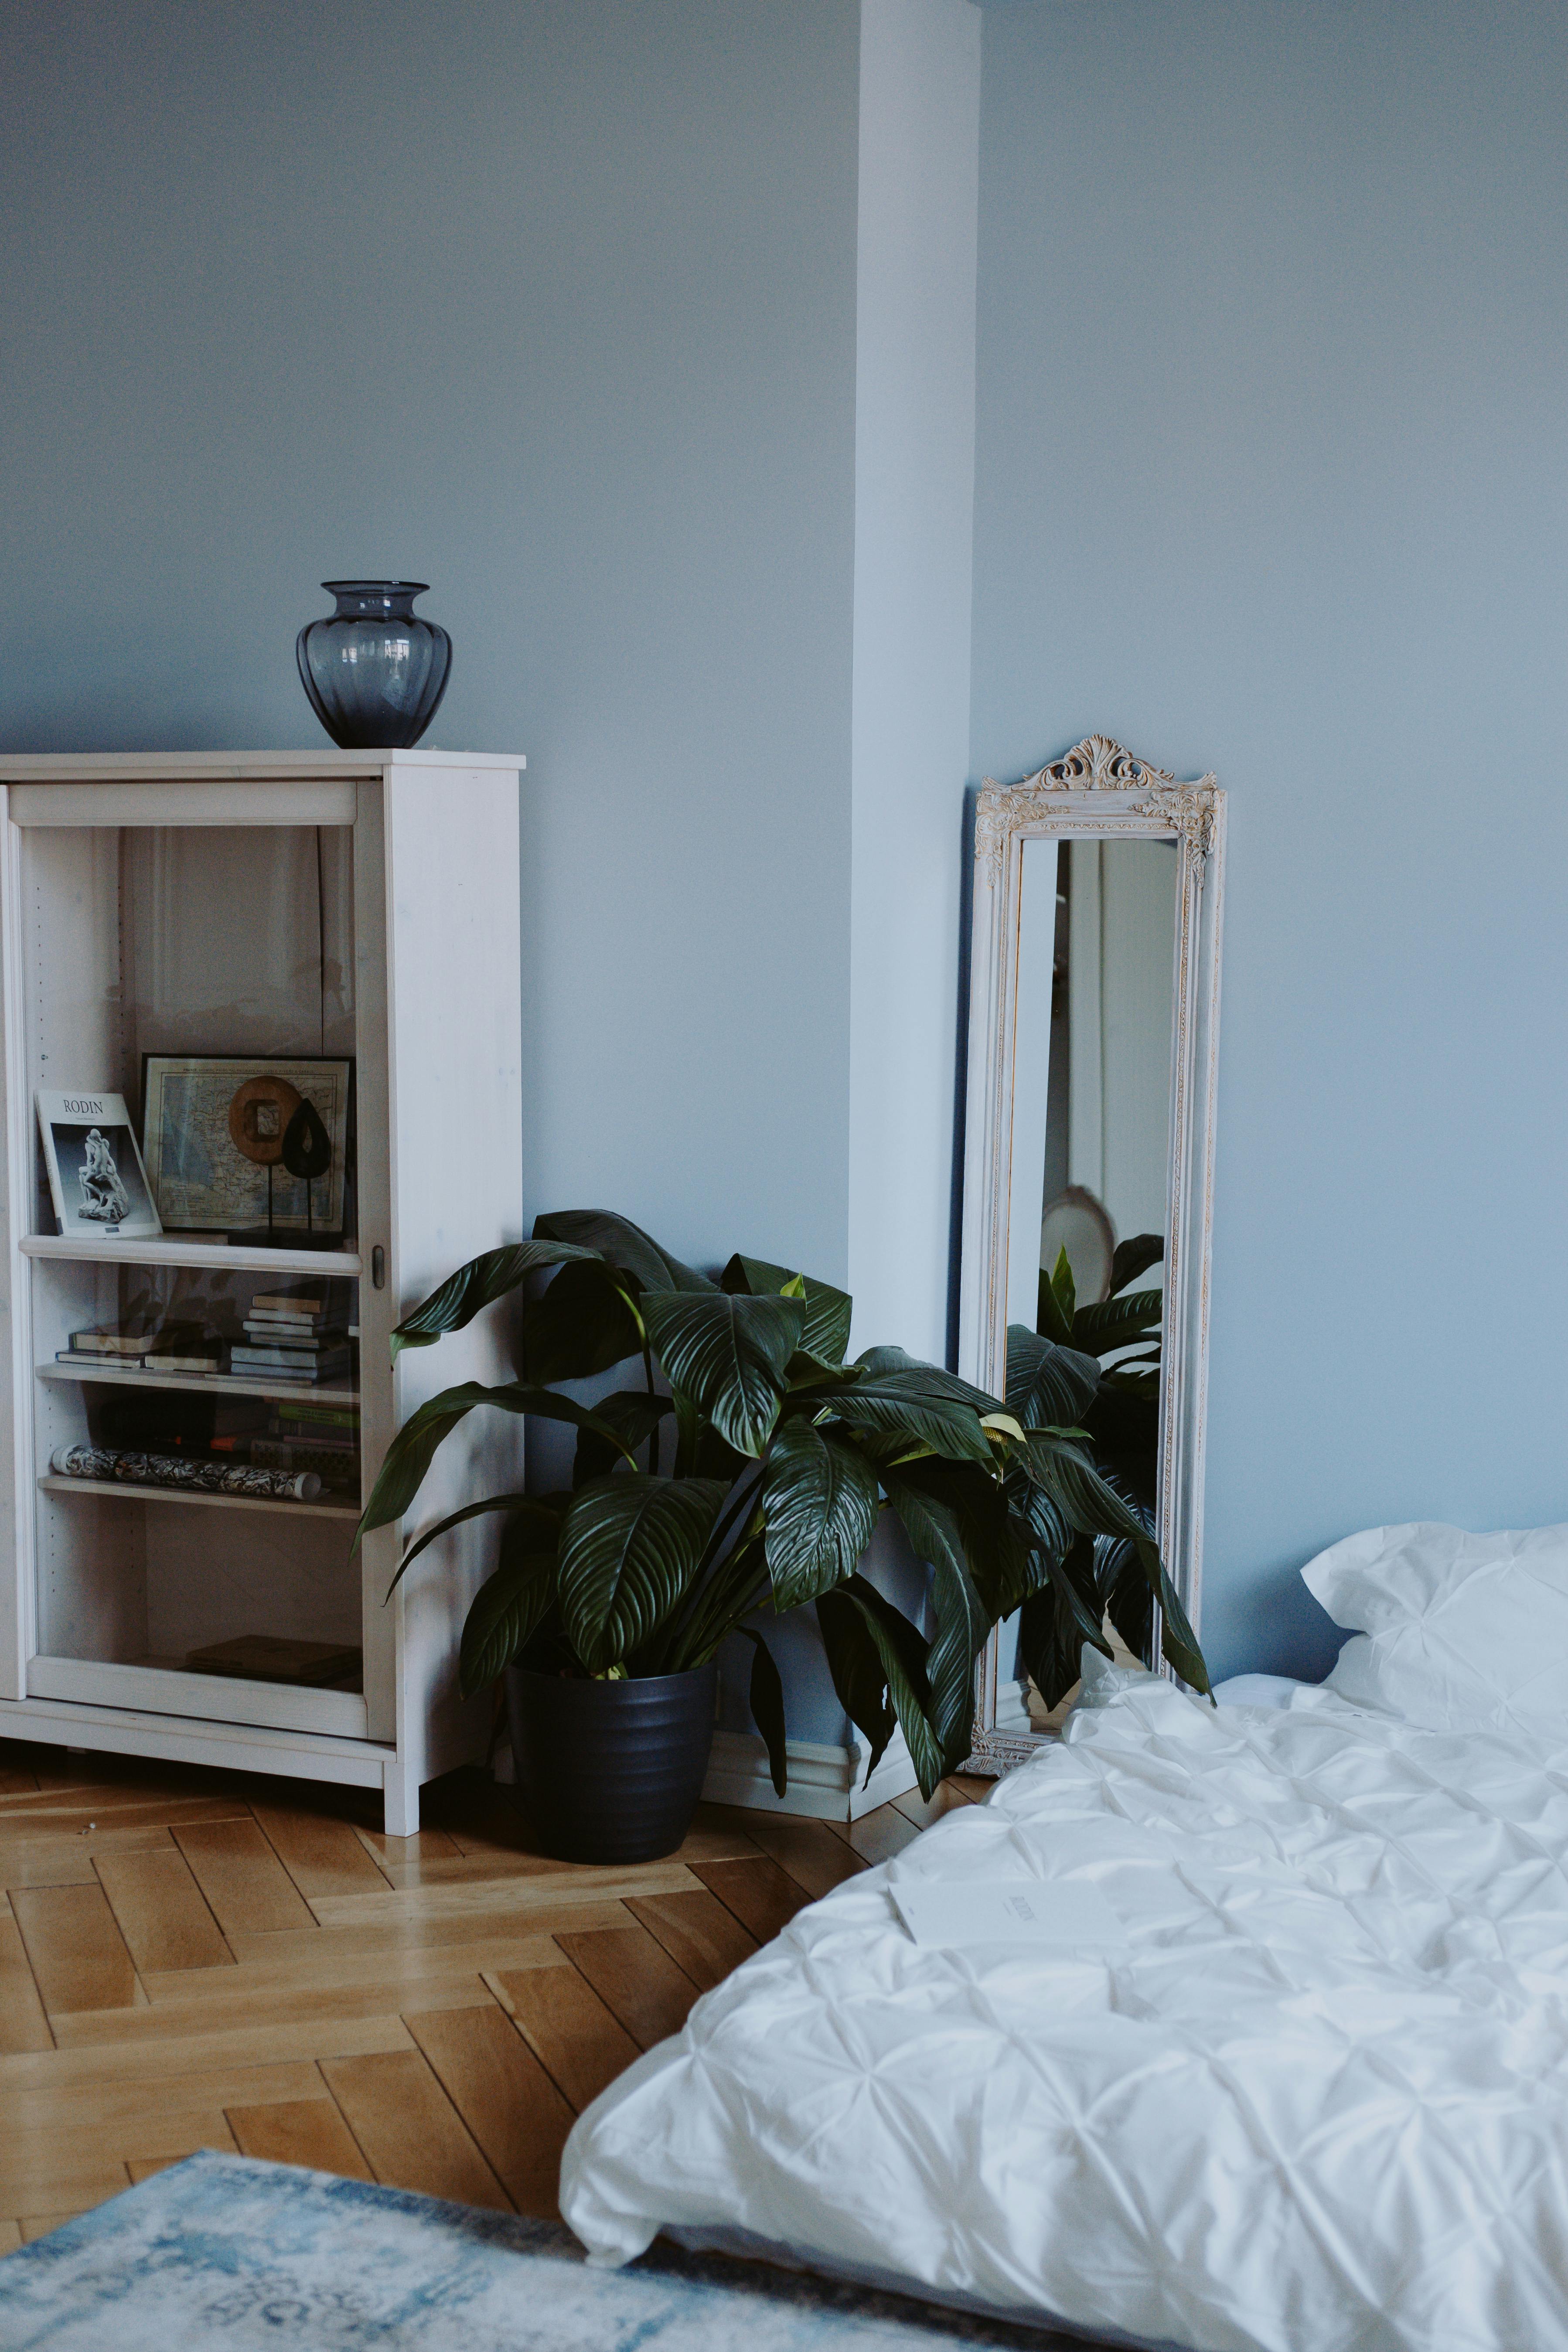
[(377, 587)]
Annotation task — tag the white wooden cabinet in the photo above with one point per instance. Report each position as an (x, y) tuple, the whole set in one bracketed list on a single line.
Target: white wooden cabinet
[(272, 904)]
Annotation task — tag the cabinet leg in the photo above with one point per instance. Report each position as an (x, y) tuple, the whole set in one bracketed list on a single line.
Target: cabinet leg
[(400, 1802)]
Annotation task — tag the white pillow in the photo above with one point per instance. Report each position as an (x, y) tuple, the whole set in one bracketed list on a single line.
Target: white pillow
[(1454, 1632)]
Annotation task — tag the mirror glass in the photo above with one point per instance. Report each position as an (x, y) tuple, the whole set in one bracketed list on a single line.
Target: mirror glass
[(1092, 1173)]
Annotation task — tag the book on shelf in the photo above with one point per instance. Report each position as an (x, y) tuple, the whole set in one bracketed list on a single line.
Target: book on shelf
[(334, 1465), (139, 1335), (265, 1658), (313, 1414), (276, 1335), (163, 1348), (132, 1345), (297, 1359), (98, 1184), (307, 1299), (285, 1424)]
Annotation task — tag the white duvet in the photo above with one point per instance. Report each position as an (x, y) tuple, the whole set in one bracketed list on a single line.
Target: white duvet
[(1316, 2098)]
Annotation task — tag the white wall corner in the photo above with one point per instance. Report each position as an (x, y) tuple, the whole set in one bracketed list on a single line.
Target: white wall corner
[(914, 509)]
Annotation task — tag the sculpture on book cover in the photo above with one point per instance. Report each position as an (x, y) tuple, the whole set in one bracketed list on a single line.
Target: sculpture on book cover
[(103, 1196)]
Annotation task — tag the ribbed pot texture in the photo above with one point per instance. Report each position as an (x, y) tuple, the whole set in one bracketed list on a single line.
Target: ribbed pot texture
[(611, 1771), (375, 669)]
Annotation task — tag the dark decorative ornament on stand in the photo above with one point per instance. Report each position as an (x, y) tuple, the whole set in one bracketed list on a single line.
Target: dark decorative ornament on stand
[(307, 1154), (374, 670)]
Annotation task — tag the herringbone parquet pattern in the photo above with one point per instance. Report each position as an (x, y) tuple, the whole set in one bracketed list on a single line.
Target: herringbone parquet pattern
[(205, 1959)]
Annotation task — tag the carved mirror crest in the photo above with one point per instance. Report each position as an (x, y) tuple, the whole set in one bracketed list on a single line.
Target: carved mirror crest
[(1089, 1139)]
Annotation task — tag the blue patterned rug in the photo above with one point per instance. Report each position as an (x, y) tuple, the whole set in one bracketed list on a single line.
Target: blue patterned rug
[(223, 2254)]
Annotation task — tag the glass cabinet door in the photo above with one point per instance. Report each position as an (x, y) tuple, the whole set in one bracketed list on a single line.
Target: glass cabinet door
[(195, 1414)]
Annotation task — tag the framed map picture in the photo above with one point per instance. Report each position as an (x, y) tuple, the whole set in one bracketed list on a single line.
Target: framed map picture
[(215, 1131)]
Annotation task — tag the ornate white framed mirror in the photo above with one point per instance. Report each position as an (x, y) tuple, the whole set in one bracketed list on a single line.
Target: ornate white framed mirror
[(1088, 1151)]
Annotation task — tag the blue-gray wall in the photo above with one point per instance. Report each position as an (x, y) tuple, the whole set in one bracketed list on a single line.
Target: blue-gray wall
[(1271, 479), (554, 307)]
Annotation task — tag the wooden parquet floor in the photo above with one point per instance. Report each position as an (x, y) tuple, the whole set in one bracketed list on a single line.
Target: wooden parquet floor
[(195, 1958)]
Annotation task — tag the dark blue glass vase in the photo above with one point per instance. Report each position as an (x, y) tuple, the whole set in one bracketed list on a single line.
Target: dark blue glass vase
[(374, 670)]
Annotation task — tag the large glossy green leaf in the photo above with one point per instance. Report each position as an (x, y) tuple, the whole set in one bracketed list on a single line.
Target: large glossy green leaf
[(901, 1653), (767, 1704), (963, 1509), (1048, 1385), (961, 1623), (1059, 1464), (918, 1401), (408, 1456), (1051, 1640), (855, 1664), (1070, 1576), (728, 1354), (1135, 1257), (1094, 1508), (583, 1325), (622, 1244), (944, 1522), (519, 1502), (1117, 1322), (819, 1512), (630, 1548), (873, 1362), (1050, 1531), (826, 1334), (633, 1415), (1178, 1643), (476, 1285), (1053, 1323), (1119, 1573), (506, 1610)]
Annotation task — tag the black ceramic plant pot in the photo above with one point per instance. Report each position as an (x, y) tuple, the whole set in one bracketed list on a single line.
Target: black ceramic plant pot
[(611, 1771), (375, 669)]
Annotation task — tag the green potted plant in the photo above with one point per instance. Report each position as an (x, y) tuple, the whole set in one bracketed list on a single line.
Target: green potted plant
[(741, 1476), (1120, 1419)]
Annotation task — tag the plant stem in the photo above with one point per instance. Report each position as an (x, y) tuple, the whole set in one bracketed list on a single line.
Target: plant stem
[(653, 1434), (675, 1636), (730, 1594), (744, 1604)]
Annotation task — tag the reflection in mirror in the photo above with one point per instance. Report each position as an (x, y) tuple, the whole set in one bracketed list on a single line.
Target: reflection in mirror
[(1087, 1189), (1092, 1155)]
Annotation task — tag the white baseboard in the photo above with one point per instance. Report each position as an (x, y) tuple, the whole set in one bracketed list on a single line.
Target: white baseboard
[(824, 1781)]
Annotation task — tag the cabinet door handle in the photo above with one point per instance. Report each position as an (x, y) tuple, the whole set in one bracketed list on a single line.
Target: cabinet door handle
[(378, 1268)]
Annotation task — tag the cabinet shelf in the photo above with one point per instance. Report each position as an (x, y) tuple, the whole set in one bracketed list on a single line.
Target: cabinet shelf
[(197, 1383), (216, 1255), (123, 1490)]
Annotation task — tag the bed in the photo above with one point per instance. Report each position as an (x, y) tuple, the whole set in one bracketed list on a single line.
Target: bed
[(1314, 2097)]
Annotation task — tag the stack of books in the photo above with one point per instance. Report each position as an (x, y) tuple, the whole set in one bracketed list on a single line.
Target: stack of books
[(144, 1343), (324, 1438), (293, 1335)]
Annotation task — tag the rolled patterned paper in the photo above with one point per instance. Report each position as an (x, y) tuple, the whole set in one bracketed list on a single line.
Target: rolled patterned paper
[(114, 1463)]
